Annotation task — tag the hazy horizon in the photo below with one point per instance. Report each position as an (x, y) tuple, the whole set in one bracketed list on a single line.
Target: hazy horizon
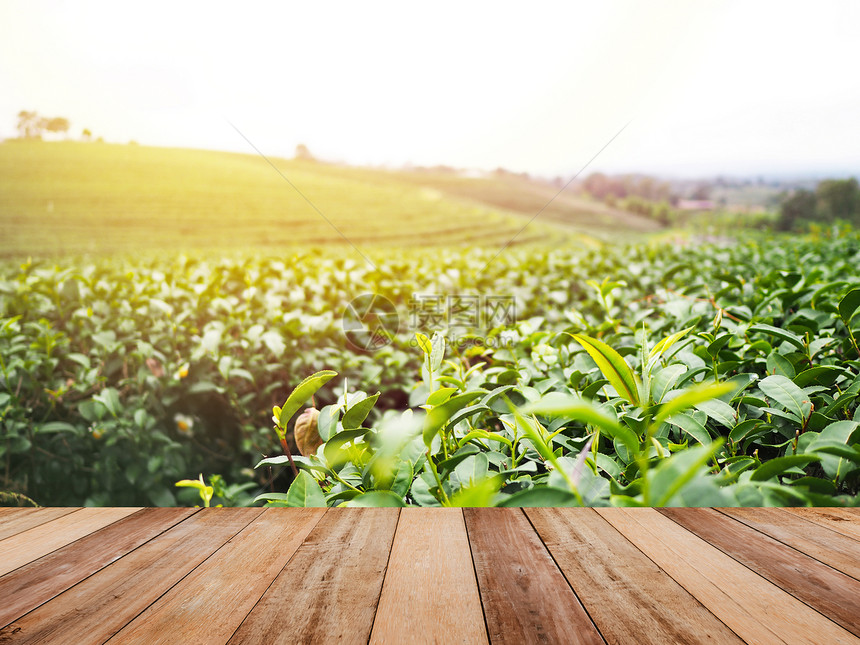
[(707, 88)]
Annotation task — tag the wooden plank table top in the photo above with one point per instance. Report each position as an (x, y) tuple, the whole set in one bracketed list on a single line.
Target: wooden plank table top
[(538, 575)]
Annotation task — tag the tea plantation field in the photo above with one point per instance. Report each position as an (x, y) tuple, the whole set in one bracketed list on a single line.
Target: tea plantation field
[(656, 373), (67, 198)]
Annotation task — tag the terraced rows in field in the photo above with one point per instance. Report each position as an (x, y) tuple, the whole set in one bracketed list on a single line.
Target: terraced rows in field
[(76, 198)]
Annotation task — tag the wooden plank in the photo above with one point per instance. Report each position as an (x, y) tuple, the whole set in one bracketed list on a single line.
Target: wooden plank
[(9, 512), (831, 592), (815, 540), (755, 609), (24, 547), (96, 608), (210, 602), (37, 582), (624, 592), (526, 598), (430, 593), (841, 520), (26, 518), (329, 591)]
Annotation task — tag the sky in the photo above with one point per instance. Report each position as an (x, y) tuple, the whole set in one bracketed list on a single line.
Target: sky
[(693, 88)]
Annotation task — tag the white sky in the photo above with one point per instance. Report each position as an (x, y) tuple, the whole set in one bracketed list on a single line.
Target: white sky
[(710, 87)]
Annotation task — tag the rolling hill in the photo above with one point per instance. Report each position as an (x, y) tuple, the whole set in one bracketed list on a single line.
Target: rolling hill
[(76, 198)]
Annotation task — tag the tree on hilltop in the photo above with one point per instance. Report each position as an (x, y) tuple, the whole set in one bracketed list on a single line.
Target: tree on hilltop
[(303, 153), (838, 199), (33, 126), (798, 208), (833, 200), (58, 124), (29, 125)]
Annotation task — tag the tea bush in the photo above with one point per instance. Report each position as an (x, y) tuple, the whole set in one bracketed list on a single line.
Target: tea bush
[(659, 373)]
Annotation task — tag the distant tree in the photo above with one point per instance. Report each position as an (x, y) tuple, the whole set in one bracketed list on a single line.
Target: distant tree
[(646, 188), (597, 185), (620, 187), (797, 208), (33, 126), (302, 152), (58, 124), (86, 134), (29, 125), (663, 213), (838, 199)]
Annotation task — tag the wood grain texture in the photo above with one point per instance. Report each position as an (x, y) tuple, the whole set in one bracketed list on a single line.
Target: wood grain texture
[(430, 593), (96, 608), (37, 582), (755, 609), (841, 520), (526, 598), (821, 587), (815, 540), (19, 520), (329, 590), (211, 602), (29, 545), (251, 575), (624, 592)]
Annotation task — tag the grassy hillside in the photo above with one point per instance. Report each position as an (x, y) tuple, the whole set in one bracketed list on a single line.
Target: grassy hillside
[(102, 198)]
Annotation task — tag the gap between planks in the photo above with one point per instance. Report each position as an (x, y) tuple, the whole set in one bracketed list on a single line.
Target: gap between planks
[(477, 569), (754, 608)]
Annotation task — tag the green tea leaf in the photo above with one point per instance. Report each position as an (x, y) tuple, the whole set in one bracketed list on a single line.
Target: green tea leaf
[(305, 492), (848, 305), (719, 411), (664, 380), (304, 391), (449, 464), (672, 474), (472, 469), (691, 426), (479, 494), (779, 364), (439, 416), (377, 499), (437, 351), (613, 367), (838, 449), (333, 448), (693, 397), (786, 393), (356, 415), (424, 343), (840, 433), (585, 411), (441, 395), (540, 497), (55, 426), (782, 334), (778, 466), (109, 397), (664, 345)]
